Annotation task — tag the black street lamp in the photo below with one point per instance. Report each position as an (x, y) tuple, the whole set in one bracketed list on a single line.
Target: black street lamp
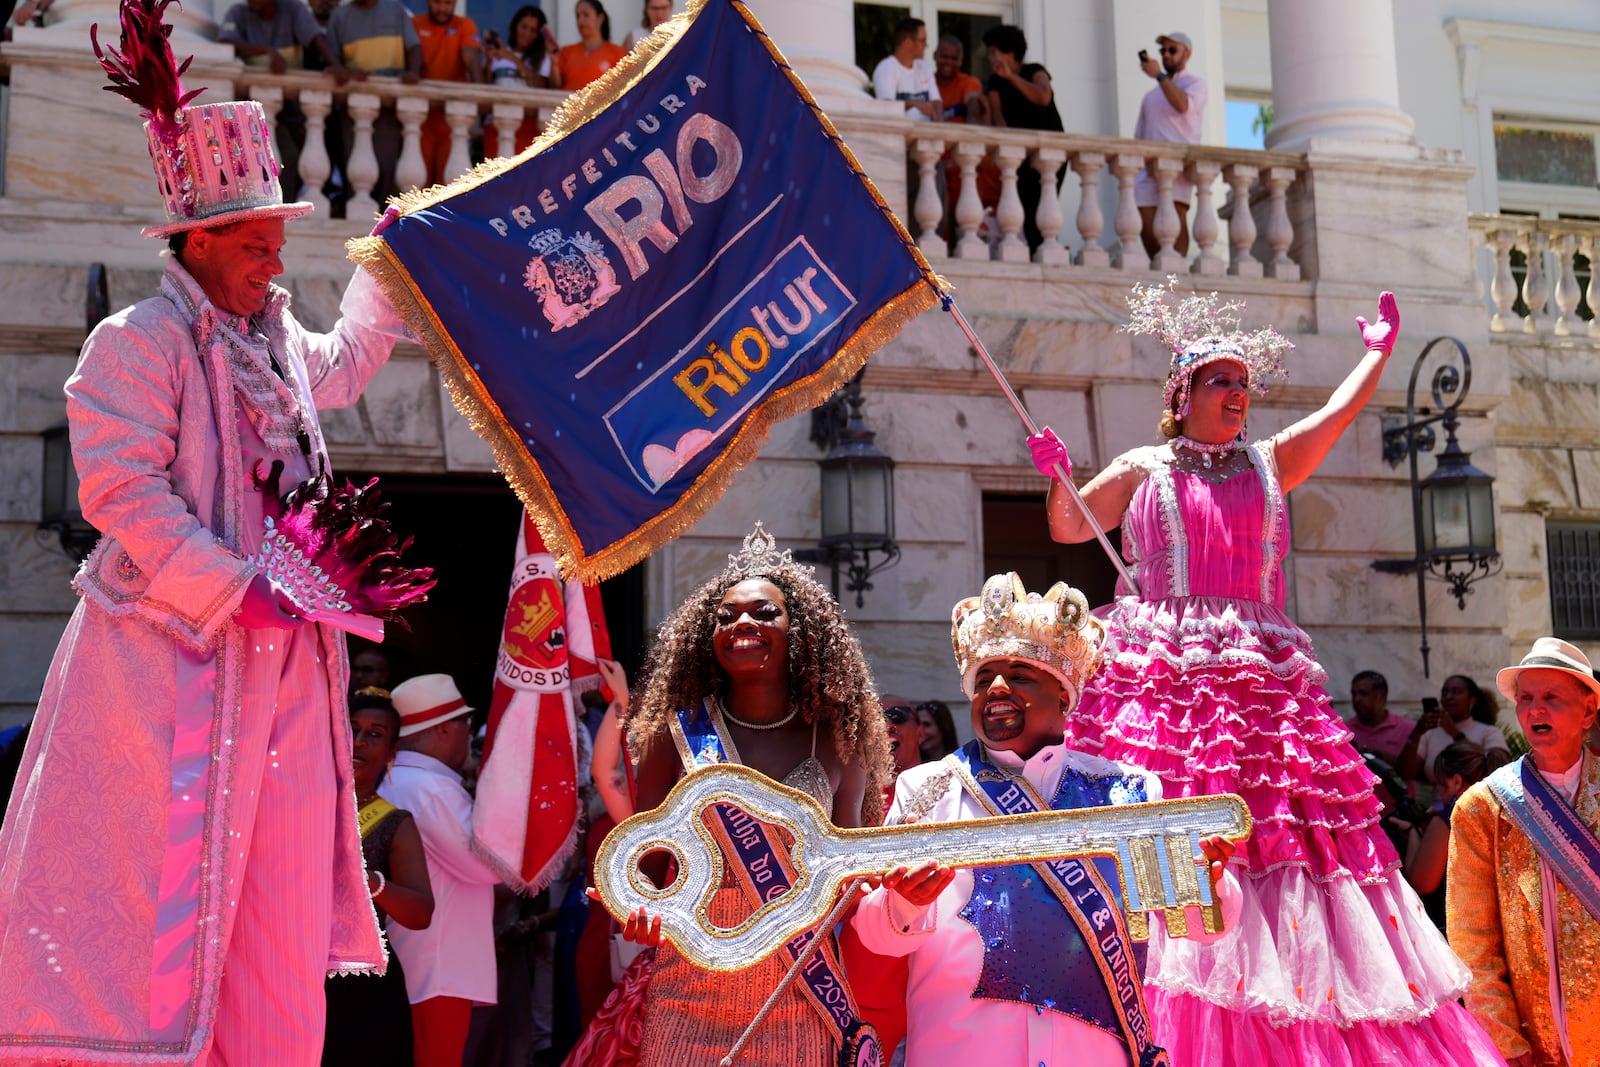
[(1452, 509), (857, 496)]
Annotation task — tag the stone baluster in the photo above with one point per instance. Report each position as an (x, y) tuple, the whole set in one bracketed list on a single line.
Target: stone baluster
[(969, 209), (1536, 285), (1567, 295), (928, 210), (1242, 263), (461, 114), (1047, 161), (362, 170), (1012, 248), (1280, 234), (1203, 173), (1591, 250), (1165, 225), (410, 172), (270, 97), (1476, 239), (507, 120), (1087, 166), (1503, 286), (1130, 255), (315, 166)]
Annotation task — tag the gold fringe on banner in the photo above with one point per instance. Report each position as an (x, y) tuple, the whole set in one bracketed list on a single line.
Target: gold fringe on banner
[(481, 411)]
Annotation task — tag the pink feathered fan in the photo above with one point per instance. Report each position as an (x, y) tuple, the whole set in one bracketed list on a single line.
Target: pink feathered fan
[(332, 552)]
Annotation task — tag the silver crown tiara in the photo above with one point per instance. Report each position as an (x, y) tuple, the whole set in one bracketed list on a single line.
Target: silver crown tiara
[(760, 554)]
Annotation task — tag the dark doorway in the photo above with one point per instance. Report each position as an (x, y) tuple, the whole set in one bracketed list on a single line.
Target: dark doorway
[(1016, 538), (465, 528)]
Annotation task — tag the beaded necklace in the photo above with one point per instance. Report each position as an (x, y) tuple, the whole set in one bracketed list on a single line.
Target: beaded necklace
[(1207, 449)]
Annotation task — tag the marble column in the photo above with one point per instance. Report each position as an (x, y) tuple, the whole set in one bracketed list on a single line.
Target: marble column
[(818, 39), (1335, 83)]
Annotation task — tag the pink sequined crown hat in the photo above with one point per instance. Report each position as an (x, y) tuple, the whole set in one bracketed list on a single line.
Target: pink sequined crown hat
[(1005, 621), (1198, 330), (214, 163)]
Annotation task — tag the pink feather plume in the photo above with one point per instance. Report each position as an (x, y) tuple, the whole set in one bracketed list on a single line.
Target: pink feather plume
[(342, 533), (145, 70)]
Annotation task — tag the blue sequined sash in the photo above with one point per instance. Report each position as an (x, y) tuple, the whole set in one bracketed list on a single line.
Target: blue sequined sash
[(1553, 829), (1093, 971)]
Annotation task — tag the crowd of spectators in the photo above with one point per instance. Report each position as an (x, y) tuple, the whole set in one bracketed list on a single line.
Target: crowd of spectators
[(1424, 763), (356, 39)]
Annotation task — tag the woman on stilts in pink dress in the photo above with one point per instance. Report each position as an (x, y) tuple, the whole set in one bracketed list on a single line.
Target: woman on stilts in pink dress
[(1210, 685)]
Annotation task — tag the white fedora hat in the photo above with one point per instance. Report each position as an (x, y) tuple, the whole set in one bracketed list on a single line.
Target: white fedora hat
[(1548, 653), (427, 700)]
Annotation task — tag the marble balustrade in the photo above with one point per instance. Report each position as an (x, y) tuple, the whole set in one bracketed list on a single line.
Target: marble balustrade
[(1259, 241), (463, 105), (1552, 293)]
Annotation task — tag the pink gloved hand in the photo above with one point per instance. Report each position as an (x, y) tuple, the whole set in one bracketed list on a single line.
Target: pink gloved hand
[(1047, 451), (1383, 333), (265, 608)]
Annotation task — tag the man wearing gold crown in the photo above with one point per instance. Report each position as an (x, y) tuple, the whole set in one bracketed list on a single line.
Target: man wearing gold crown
[(180, 866), (1031, 963)]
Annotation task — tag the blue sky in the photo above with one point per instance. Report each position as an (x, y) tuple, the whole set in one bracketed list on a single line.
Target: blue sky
[(1241, 113)]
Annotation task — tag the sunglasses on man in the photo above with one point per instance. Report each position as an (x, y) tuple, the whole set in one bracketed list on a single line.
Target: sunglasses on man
[(899, 714)]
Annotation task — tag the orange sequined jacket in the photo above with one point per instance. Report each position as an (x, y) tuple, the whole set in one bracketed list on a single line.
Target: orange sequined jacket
[(1495, 903)]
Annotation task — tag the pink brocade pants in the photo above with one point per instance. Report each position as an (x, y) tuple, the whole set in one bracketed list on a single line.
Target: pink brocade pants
[(271, 1004)]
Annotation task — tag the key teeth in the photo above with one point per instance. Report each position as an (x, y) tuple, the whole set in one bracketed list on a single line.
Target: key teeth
[(1177, 922), (1139, 926), (1211, 917)]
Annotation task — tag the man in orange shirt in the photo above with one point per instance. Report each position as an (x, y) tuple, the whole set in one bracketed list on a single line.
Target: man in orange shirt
[(963, 99), (451, 52)]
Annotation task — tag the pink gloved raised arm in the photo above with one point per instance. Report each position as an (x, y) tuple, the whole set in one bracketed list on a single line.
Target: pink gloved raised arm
[(1381, 335), (1047, 451)]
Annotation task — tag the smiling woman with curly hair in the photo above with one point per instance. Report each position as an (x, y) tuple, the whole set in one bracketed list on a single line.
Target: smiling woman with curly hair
[(758, 663)]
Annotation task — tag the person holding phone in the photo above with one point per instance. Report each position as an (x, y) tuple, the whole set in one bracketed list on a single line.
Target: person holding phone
[(1457, 715), (1169, 112)]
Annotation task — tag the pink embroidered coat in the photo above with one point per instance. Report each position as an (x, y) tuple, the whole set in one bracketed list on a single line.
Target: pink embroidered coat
[(150, 737)]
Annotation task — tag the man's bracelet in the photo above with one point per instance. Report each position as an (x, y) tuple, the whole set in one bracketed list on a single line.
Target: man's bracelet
[(382, 884), (1161, 77)]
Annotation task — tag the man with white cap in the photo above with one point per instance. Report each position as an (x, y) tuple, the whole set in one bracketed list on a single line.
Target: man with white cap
[(1171, 111), (449, 965), (180, 866), (1524, 874)]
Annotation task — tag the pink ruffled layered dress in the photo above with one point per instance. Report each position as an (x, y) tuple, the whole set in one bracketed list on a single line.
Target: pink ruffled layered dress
[(1209, 685)]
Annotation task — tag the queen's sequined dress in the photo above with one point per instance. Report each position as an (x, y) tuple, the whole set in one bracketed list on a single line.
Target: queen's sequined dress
[(1209, 684)]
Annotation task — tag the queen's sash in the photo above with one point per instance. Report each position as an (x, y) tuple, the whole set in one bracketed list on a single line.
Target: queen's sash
[(765, 871), (1553, 829), (1098, 927)]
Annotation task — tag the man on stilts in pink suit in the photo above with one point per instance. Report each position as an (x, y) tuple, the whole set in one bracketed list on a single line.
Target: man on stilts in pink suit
[(180, 866)]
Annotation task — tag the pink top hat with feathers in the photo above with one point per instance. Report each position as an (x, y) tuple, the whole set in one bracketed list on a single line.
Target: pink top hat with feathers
[(214, 163)]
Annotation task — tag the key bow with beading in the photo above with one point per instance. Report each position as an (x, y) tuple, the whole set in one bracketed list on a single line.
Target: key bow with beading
[(1155, 846)]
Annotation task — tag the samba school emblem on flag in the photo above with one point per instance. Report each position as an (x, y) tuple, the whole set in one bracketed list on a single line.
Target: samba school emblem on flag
[(688, 254)]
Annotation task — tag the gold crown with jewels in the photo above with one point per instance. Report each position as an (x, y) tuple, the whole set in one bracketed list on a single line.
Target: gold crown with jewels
[(1006, 621)]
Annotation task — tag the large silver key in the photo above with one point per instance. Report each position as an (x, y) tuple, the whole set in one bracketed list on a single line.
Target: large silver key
[(1155, 845)]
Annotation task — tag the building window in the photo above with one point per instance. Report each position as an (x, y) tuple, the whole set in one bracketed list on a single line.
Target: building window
[(1545, 156), (967, 20), (1017, 538), (1574, 551)]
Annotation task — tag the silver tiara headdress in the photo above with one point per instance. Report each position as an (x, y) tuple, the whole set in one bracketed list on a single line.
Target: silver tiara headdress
[(760, 555), (1201, 329)]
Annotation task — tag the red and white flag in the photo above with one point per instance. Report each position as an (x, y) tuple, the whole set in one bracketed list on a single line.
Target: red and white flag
[(525, 819)]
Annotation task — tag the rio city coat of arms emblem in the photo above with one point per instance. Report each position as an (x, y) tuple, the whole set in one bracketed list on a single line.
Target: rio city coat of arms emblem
[(571, 276)]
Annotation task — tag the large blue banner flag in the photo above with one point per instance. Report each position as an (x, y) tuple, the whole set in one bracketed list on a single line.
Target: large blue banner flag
[(687, 254)]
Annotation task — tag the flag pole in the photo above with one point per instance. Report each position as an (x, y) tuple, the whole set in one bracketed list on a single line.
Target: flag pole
[(1032, 427)]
